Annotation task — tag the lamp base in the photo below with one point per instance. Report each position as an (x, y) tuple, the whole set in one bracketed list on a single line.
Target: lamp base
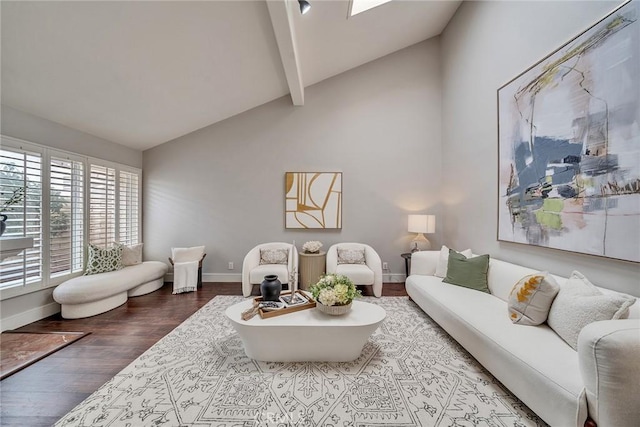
[(420, 243)]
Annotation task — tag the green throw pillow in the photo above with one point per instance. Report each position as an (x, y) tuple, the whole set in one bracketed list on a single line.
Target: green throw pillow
[(468, 272), (103, 260)]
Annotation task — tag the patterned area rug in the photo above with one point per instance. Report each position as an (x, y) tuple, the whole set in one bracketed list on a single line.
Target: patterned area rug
[(411, 373)]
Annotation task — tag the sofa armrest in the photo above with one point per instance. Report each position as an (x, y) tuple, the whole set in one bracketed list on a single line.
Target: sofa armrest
[(424, 262), (608, 354)]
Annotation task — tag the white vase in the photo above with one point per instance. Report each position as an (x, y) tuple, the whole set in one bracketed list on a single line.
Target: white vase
[(334, 310)]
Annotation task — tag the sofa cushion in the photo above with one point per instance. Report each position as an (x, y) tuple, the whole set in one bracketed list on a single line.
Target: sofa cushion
[(468, 272), (256, 275), (579, 303), (531, 299), (104, 260), (359, 273), (443, 261)]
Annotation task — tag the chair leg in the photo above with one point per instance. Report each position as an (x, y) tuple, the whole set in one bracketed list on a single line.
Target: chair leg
[(377, 290)]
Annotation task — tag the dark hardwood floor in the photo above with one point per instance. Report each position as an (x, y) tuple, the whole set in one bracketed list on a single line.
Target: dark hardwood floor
[(42, 393)]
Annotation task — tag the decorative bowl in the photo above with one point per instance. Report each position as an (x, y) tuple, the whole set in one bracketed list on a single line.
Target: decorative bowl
[(334, 310)]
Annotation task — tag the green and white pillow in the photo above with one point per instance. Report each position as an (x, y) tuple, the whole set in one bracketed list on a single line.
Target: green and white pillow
[(103, 260)]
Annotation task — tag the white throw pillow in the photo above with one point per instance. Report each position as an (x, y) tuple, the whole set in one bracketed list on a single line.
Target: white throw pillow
[(443, 261), (187, 254), (274, 256), (351, 256), (579, 303), (531, 299), (131, 255)]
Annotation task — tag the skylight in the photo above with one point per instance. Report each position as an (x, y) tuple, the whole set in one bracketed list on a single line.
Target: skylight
[(358, 6)]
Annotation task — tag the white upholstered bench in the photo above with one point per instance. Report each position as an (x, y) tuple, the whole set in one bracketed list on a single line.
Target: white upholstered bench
[(85, 296)]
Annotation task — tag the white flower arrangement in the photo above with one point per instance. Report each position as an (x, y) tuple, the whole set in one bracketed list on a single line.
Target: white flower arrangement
[(312, 247), (334, 289)]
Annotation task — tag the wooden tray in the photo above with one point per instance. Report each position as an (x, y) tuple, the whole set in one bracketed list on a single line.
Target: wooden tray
[(267, 314)]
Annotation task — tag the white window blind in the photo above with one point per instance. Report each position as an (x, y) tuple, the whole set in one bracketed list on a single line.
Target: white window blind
[(102, 205), (129, 206), (21, 201), (66, 216)]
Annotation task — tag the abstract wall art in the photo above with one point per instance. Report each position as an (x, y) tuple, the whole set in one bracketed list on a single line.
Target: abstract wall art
[(313, 200), (569, 144)]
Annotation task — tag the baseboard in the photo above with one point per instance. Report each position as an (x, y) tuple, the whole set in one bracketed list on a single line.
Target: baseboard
[(237, 277), (29, 316), (213, 277)]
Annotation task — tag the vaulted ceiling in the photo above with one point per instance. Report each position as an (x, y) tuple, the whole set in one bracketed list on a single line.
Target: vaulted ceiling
[(141, 73)]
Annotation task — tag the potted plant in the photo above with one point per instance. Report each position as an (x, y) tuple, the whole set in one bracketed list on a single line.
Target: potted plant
[(334, 294), (16, 197)]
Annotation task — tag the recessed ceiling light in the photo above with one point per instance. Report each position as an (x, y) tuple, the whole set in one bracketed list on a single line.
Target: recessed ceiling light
[(358, 6)]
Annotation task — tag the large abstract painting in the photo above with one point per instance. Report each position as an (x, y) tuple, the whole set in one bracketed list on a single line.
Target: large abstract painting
[(313, 200), (569, 144)]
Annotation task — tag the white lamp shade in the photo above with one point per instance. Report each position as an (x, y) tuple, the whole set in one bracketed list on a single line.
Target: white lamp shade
[(422, 224)]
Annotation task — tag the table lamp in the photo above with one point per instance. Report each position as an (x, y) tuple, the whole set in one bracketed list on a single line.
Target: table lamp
[(421, 224)]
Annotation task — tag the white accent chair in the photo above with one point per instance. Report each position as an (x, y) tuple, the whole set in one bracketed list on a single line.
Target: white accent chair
[(253, 273), (369, 273)]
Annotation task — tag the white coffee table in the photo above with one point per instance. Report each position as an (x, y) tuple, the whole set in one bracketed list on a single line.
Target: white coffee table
[(307, 335)]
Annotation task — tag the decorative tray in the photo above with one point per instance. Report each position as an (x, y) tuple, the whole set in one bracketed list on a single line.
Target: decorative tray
[(265, 314)]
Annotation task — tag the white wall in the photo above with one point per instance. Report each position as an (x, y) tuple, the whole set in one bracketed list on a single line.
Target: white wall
[(24, 309), (223, 186), (484, 46)]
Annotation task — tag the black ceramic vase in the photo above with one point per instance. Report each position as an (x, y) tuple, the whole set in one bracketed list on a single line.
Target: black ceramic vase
[(270, 288), (3, 224)]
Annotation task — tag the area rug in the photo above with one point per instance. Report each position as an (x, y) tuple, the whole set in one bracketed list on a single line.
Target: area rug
[(411, 373), (21, 349)]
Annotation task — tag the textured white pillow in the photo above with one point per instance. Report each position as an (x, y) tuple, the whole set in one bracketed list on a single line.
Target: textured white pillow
[(132, 255), (187, 254), (274, 256), (443, 261), (351, 256), (531, 299), (579, 303)]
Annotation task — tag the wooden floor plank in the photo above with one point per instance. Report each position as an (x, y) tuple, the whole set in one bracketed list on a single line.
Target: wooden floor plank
[(42, 393)]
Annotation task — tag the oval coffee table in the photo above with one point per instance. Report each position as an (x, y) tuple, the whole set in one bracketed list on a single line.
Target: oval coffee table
[(306, 335)]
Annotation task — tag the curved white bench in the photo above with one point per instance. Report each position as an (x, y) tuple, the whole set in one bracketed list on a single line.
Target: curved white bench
[(85, 296)]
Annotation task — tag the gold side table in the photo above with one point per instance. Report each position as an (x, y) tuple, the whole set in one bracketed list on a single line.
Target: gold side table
[(312, 266)]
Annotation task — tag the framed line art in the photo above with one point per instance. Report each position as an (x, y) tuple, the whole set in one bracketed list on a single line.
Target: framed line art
[(313, 200), (569, 144)]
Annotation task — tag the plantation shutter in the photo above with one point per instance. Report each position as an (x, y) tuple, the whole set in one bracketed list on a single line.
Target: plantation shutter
[(128, 208), (66, 201), (21, 201), (102, 205)]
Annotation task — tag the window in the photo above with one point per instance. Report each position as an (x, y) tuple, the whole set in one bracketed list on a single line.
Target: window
[(21, 201), (66, 216), (63, 201)]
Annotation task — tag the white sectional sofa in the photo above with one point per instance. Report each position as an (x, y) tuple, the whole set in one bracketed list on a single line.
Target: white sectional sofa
[(600, 381), (86, 296)]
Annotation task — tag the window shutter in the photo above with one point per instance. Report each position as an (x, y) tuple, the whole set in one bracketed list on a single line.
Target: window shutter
[(21, 201), (102, 205), (66, 203), (128, 208)]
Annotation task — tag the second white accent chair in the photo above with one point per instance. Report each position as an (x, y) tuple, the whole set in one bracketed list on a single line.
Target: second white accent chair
[(367, 273), (257, 264)]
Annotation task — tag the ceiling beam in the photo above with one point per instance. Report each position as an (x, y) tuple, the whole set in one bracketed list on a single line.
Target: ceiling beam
[(283, 27)]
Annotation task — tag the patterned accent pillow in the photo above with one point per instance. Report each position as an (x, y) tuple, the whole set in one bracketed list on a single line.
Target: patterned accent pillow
[(274, 256), (579, 303), (103, 260), (531, 299), (351, 256), (132, 255)]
